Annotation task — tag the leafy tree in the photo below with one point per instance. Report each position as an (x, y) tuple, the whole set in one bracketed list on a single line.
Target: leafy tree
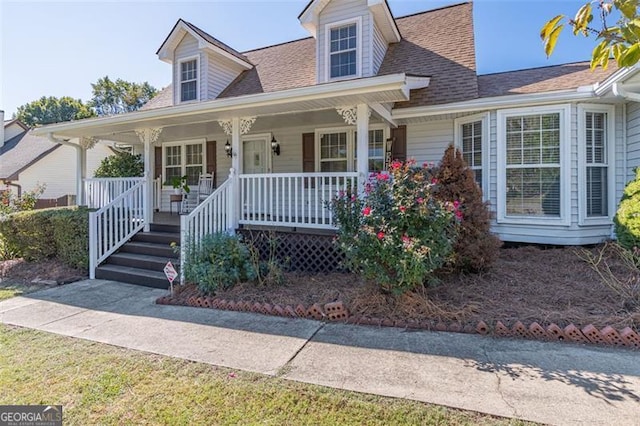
[(116, 97), (121, 164), (622, 40), (47, 110)]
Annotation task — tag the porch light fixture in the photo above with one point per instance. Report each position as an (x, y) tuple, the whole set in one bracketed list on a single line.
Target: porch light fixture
[(275, 146), (228, 149)]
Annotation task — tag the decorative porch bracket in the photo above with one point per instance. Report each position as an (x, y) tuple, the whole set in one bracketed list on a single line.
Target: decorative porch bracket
[(87, 142), (350, 114), (148, 137), (245, 125)]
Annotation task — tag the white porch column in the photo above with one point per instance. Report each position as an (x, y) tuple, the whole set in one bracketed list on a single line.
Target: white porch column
[(85, 143), (148, 137), (236, 164), (81, 174), (362, 144)]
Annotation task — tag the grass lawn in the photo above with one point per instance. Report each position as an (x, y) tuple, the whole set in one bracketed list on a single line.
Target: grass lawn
[(9, 289), (102, 384)]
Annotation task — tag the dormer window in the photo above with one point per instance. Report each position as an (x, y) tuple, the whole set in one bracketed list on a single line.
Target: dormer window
[(188, 80), (343, 51)]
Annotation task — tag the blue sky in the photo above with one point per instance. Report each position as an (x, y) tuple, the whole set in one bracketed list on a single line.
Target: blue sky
[(52, 48)]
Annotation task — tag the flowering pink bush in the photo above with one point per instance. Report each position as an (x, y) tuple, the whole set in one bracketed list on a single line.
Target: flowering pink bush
[(397, 233)]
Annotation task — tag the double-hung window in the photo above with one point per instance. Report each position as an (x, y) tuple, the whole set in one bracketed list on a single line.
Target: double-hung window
[(189, 80), (338, 150), (343, 48), (595, 143), (333, 152), (531, 165), (376, 150), (471, 135), (185, 158)]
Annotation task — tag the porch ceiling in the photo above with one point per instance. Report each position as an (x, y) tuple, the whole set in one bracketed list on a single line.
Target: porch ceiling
[(204, 115)]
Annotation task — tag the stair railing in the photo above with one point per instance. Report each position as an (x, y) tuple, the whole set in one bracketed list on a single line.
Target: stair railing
[(114, 224), (213, 215)]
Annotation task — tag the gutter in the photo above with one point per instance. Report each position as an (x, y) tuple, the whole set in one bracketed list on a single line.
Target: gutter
[(493, 103), (618, 90), (228, 105)]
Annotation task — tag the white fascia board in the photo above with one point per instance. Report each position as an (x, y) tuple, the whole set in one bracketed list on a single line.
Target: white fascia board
[(492, 103), (381, 8), (414, 82), (384, 113), (617, 77), (320, 91)]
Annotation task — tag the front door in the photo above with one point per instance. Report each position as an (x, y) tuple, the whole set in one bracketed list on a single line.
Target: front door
[(255, 158)]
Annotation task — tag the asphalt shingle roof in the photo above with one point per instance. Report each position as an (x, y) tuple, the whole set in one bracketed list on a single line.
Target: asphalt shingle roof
[(21, 151), (543, 79)]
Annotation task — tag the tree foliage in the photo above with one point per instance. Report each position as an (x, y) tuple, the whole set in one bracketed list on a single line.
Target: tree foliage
[(47, 110), (121, 164), (116, 97), (620, 40)]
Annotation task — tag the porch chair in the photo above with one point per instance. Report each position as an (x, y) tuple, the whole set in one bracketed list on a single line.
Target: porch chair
[(205, 187)]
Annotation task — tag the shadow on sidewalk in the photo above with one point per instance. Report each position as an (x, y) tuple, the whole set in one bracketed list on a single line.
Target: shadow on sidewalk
[(601, 372)]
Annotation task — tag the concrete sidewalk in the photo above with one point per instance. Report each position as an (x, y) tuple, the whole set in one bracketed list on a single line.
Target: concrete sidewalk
[(545, 382)]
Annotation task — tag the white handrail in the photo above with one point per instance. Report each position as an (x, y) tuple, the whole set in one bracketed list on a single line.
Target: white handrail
[(101, 191), (213, 215), (114, 224), (292, 199)]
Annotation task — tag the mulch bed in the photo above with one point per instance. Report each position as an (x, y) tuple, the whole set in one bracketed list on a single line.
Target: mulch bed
[(547, 293), (18, 271)]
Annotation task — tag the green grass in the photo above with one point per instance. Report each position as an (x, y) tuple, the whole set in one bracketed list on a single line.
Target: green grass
[(9, 289), (102, 384)]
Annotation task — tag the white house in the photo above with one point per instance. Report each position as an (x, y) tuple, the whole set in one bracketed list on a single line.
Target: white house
[(283, 127), (27, 161)]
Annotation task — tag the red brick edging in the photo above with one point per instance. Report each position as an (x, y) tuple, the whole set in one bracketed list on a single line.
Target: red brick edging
[(337, 311)]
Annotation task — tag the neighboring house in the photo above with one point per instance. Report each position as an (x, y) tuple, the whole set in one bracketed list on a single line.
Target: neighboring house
[(27, 161), (551, 147)]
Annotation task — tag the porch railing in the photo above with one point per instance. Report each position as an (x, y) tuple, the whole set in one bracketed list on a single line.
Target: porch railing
[(115, 223), (213, 215), (291, 199), (101, 191)]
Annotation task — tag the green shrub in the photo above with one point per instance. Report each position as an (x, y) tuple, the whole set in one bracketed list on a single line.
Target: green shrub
[(121, 164), (476, 247), (218, 261), (398, 234), (41, 234), (71, 235), (29, 234), (627, 219)]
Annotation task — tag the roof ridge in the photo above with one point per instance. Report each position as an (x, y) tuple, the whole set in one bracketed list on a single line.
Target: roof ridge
[(206, 34), (433, 10), (535, 68)]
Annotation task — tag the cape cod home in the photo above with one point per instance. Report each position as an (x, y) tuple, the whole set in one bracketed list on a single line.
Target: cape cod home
[(284, 127), (28, 161)]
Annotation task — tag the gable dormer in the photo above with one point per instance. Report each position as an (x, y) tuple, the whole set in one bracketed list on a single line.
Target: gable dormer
[(352, 36), (202, 65)]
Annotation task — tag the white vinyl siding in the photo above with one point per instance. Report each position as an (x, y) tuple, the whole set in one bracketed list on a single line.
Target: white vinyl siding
[(379, 49), (341, 13), (220, 73)]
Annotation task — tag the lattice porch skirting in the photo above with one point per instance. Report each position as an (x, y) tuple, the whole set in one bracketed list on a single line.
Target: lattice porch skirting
[(297, 251)]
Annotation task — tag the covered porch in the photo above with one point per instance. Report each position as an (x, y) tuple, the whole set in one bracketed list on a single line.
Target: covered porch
[(278, 158)]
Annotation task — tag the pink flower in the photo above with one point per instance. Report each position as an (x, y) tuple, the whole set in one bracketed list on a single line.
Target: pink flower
[(411, 162), (458, 214), (456, 204), (382, 176), (366, 211), (434, 181), (395, 165), (402, 209), (353, 198), (380, 235), (425, 165), (420, 200), (406, 238)]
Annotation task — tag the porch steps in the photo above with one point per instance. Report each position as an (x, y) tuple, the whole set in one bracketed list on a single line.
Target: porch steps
[(141, 260)]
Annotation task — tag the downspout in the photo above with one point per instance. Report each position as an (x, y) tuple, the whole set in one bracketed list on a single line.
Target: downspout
[(15, 185), (79, 182)]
